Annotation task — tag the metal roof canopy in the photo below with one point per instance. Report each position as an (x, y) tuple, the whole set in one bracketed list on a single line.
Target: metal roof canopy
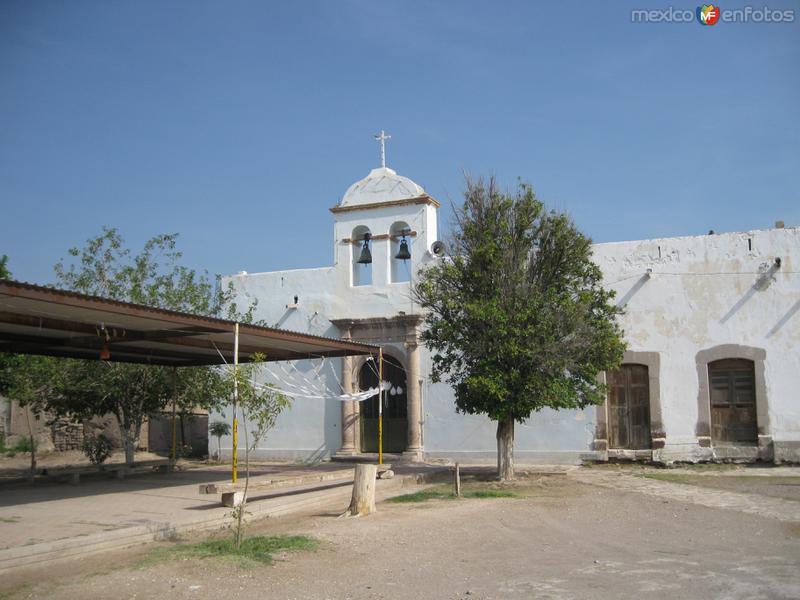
[(41, 320)]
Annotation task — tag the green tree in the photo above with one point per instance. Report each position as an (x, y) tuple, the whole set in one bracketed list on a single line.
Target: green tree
[(4, 272), (219, 429), (6, 360), (260, 405), (516, 316), (83, 388), (30, 380)]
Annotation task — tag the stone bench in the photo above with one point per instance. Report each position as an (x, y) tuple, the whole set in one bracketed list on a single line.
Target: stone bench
[(119, 470), (233, 493)]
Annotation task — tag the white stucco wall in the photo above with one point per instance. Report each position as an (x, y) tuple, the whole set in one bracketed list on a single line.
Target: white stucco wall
[(703, 291), (706, 291), (311, 428)]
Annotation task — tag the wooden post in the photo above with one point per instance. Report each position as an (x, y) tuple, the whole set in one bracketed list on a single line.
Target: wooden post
[(457, 480), (363, 500), (174, 452), (235, 450)]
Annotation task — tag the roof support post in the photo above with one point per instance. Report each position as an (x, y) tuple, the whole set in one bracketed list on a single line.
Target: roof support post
[(235, 449), (173, 453), (380, 406)]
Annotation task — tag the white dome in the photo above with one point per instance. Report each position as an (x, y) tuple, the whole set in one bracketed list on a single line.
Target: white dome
[(381, 185)]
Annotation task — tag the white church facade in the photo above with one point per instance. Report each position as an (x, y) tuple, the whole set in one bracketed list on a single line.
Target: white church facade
[(712, 369)]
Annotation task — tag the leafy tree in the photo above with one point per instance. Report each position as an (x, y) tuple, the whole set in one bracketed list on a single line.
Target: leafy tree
[(219, 429), (6, 360), (83, 388), (516, 317), (30, 381), (260, 404), (4, 272)]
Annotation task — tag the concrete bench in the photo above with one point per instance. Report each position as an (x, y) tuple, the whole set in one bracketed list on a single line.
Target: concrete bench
[(118, 470), (233, 493)]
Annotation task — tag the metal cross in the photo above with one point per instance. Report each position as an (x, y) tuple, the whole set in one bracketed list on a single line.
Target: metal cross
[(382, 139)]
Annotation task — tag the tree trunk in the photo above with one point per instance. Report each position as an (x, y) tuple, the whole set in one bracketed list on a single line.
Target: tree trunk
[(363, 500), (129, 443), (242, 506), (33, 443), (129, 435), (505, 449), (129, 419)]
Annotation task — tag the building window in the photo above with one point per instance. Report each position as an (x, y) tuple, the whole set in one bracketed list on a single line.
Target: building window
[(732, 394)]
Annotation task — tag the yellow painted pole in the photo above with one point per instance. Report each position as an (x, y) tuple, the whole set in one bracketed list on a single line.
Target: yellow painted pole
[(234, 461), (380, 406), (174, 452)]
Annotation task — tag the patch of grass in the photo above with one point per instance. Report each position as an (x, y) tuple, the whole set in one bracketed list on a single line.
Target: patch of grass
[(4, 450), (25, 444), (255, 551), (423, 496), (489, 494), (670, 477), (445, 492), (12, 519), (19, 592), (708, 466)]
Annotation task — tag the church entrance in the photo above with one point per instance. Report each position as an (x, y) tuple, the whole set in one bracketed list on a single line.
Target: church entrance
[(395, 418)]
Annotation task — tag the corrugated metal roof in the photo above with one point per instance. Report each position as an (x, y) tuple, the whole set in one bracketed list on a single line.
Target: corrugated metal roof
[(36, 319)]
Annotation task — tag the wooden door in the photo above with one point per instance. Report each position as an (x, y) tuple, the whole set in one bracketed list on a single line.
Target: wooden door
[(629, 408), (733, 401)]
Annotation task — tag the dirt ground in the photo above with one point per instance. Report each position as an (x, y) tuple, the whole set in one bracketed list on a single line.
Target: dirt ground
[(12, 467), (787, 488), (562, 539)]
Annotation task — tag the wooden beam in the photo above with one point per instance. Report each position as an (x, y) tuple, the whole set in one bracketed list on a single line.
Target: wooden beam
[(83, 314), (88, 354), (64, 347)]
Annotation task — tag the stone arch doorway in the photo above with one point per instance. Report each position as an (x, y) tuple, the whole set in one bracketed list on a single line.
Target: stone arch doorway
[(729, 391), (395, 415), (732, 392)]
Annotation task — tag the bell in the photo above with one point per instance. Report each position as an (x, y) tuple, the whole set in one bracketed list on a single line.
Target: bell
[(366, 255), (403, 253)]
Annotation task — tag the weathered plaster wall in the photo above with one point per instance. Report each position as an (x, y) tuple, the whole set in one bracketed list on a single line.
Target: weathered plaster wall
[(311, 428), (702, 292), (708, 291), (548, 436)]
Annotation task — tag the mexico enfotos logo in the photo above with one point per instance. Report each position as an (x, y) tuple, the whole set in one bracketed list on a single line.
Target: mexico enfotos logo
[(708, 14), (712, 14)]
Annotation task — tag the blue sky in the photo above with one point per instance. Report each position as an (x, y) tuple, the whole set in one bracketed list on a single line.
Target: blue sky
[(238, 124)]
